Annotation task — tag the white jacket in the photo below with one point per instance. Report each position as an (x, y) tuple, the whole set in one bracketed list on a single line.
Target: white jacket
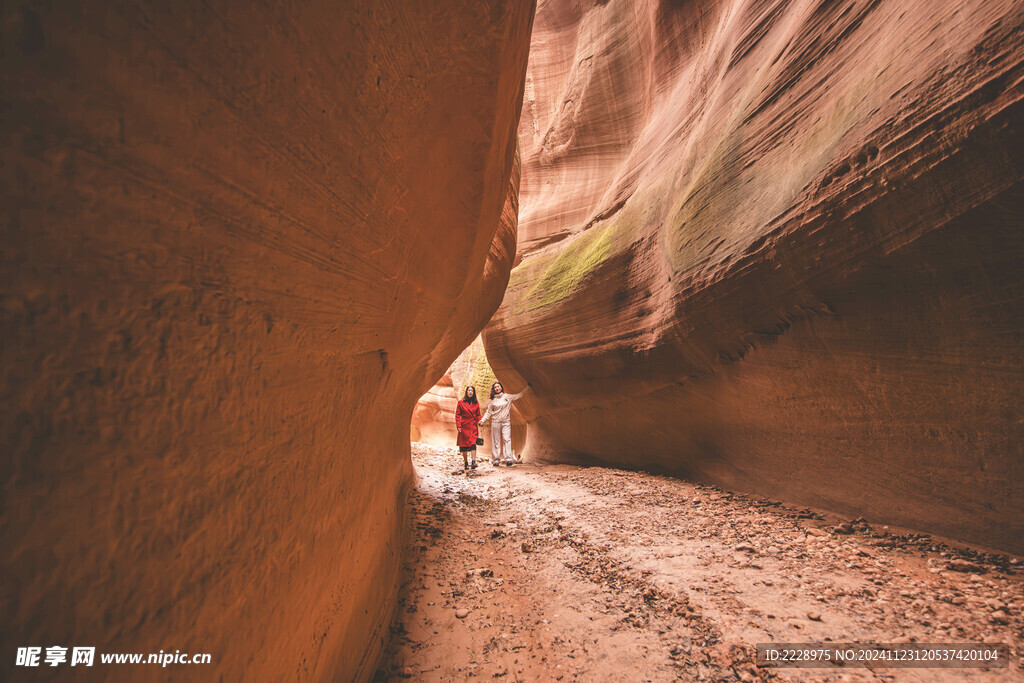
[(500, 408)]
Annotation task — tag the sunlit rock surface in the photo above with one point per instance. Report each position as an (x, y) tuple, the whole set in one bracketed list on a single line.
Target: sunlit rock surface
[(240, 240), (433, 418), (778, 246)]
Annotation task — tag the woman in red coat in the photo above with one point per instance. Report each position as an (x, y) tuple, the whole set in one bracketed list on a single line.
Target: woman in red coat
[(467, 417)]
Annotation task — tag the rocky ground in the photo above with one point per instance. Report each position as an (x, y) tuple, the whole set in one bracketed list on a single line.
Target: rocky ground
[(568, 573)]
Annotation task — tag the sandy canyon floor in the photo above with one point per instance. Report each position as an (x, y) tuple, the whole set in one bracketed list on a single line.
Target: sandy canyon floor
[(558, 572)]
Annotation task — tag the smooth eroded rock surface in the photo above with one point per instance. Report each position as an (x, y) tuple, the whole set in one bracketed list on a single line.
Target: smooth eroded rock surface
[(777, 246), (433, 418), (239, 242)]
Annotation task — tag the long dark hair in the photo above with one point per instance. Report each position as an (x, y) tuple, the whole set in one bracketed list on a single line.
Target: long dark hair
[(496, 384), (466, 397)]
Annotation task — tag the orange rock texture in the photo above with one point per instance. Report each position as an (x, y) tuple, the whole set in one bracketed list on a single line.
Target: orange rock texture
[(777, 246), (240, 241), (433, 418)]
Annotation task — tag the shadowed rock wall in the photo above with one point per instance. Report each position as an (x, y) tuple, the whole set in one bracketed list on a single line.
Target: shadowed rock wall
[(777, 246), (239, 242)]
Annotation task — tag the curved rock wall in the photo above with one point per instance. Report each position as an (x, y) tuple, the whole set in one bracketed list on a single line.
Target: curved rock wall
[(777, 246), (433, 418), (239, 242)]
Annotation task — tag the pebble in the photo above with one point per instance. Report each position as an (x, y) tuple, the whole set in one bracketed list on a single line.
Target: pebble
[(796, 547), (964, 566)]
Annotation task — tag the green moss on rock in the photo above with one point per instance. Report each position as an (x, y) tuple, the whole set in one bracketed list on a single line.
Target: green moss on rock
[(562, 273), (481, 376)]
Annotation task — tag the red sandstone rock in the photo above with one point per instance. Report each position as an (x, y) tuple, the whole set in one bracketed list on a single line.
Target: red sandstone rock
[(777, 246), (433, 418), (239, 242)]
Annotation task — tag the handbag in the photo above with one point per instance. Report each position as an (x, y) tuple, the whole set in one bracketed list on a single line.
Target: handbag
[(479, 441)]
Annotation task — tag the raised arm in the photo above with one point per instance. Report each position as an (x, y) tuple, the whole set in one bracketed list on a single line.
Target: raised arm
[(513, 397)]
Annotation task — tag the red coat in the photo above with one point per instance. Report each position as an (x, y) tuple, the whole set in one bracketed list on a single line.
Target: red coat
[(467, 416)]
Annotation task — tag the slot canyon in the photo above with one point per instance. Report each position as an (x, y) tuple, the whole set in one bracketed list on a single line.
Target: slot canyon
[(776, 246), (757, 264)]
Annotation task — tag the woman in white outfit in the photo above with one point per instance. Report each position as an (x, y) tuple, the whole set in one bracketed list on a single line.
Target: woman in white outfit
[(499, 410)]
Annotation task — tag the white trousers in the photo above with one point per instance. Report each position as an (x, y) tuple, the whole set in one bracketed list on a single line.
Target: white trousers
[(501, 433)]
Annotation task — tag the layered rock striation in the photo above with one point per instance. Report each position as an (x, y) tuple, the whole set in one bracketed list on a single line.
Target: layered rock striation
[(240, 241), (778, 246), (433, 418)]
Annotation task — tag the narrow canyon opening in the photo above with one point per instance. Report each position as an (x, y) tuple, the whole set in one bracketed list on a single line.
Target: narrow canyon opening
[(771, 251), (756, 265)]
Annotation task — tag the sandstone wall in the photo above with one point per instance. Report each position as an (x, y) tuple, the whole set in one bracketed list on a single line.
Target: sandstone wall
[(777, 246), (433, 418), (240, 240)]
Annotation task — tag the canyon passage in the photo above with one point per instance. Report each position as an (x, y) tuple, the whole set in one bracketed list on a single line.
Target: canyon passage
[(771, 248), (759, 262), (560, 572)]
